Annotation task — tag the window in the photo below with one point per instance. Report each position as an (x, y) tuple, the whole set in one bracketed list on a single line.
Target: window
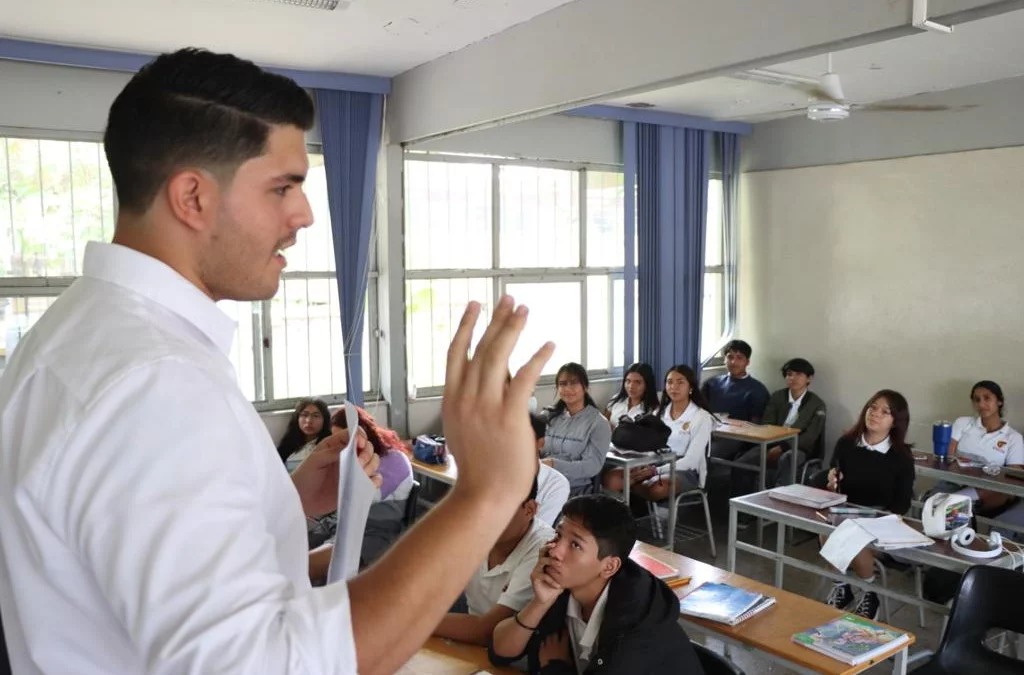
[(714, 322), (56, 195), (548, 234)]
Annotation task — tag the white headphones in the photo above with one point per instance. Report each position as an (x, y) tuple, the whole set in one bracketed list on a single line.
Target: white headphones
[(963, 539)]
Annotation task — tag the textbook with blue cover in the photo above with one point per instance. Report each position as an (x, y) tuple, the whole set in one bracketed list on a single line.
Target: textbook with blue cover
[(724, 603), (851, 639)]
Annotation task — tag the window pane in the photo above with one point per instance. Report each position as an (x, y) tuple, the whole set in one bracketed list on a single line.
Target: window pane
[(242, 354), (600, 329), (713, 242), (433, 310), (54, 196), (17, 316), (314, 249), (604, 219), (447, 215), (540, 219), (306, 343), (555, 316), (619, 322), (713, 320)]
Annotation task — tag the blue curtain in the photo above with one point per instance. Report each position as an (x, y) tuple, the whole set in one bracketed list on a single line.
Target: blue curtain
[(729, 147), (671, 212), (350, 128)]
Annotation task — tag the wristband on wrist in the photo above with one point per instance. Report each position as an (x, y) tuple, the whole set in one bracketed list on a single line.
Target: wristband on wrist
[(521, 624)]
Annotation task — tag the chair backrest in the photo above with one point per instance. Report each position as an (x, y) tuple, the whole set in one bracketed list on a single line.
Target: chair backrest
[(988, 598), (411, 505), (714, 663)]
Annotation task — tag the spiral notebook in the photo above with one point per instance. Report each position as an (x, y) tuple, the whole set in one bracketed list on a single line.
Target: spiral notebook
[(724, 603)]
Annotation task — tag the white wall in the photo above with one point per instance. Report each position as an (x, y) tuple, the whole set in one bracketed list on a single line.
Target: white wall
[(900, 273)]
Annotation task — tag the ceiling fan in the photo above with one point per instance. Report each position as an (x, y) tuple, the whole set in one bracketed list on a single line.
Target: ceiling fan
[(828, 102)]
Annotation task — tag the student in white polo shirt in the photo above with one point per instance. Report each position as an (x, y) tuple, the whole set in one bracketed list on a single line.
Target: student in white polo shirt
[(637, 396), (500, 586)]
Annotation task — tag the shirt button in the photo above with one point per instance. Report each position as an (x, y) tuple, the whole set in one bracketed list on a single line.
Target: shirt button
[(600, 662)]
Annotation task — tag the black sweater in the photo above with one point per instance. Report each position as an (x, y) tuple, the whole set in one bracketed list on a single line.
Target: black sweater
[(640, 632), (871, 478)]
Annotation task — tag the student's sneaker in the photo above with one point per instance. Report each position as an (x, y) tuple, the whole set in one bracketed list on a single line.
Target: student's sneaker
[(868, 606), (840, 596)]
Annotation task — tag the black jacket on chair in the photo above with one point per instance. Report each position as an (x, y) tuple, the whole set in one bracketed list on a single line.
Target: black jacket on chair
[(640, 632)]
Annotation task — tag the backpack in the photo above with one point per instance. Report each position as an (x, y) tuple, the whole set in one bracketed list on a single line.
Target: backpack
[(646, 433)]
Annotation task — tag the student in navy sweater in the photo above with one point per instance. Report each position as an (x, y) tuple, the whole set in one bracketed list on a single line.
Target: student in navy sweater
[(873, 466), (735, 394)]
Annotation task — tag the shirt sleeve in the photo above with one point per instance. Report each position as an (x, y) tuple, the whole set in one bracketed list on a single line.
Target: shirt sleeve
[(759, 399), (815, 428), (700, 436), (599, 439), (163, 496), (1015, 449), (520, 590), (959, 427)]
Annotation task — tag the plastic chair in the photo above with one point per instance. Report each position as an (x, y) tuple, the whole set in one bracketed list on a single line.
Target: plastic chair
[(714, 663), (988, 598)]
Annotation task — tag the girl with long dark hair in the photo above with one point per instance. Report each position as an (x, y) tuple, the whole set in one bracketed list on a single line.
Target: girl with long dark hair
[(578, 436), (638, 395), (306, 427)]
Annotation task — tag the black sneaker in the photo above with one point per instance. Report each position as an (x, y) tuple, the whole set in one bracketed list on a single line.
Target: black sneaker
[(868, 606), (841, 596)]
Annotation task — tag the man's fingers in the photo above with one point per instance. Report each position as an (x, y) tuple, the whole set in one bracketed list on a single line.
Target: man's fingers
[(502, 335), (526, 377), (503, 311), (458, 350)]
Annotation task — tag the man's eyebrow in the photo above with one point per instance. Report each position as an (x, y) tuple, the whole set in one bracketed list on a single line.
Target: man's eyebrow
[(290, 178)]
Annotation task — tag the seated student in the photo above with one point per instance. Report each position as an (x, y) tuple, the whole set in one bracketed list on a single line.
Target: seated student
[(500, 587), (306, 427), (684, 410), (873, 466), (797, 407), (637, 395), (988, 439), (552, 487), (385, 519), (578, 437), (735, 394), (593, 610)]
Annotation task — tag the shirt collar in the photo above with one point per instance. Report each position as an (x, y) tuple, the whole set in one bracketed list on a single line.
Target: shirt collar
[(792, 400), (978, 423), (159, 283), (881, 446), (589, 637)]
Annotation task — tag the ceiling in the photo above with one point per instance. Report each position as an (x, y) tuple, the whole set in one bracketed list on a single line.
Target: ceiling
[(369, 37), (980, 51)]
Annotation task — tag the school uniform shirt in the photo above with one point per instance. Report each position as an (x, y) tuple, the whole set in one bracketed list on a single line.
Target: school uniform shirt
[(508, 584), (147, 524), (1001, 447), (578, 445), (552, 493), (619, 408), (691, 433), (583, 634), (743, 398), (875, 475), (299, 456)]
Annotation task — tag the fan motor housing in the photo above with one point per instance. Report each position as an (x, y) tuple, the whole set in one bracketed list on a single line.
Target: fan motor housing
[(827, 112)]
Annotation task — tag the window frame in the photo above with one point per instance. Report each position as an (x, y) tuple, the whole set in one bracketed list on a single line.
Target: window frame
[(729, 281)]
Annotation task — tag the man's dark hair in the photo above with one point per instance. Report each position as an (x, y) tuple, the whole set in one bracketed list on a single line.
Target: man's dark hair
[(534, 487), (798, 365), (195, 108), (607, 519), (738, 346), (539, 424)]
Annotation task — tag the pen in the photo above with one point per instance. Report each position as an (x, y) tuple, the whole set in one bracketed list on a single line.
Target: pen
[(678, 583), (821, 515)]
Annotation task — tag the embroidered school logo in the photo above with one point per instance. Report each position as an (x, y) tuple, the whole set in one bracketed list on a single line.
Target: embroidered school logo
[(686, 426), (1001, 444)]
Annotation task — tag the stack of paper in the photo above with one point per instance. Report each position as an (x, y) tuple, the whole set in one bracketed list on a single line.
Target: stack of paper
[(724, 603), (805, 495), (851, 639), (887, 533)]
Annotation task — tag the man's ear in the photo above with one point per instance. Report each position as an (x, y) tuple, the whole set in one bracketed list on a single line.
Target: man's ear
[(530, 505), (610, 565), (192, 197)]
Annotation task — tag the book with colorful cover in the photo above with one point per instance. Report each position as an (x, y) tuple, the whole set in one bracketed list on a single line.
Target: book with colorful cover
[(654, 566), (851, 639), (724, 603)]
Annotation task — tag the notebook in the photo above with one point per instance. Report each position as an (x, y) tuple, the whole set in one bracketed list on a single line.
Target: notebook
[(724, 603), (805, 495), (887, 533), (653, 565), (851, 639)]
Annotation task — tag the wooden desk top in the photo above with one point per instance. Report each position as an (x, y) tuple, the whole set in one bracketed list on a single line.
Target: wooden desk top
[(445, 657), (927, 464), (754, 433), (446, 473), (772, 630)]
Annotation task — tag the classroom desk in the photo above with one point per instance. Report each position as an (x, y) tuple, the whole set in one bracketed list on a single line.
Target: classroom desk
[(628, 463), (927, 465), (446, 473), (771, 632), (940, 554), (446, 657), (762, 435)]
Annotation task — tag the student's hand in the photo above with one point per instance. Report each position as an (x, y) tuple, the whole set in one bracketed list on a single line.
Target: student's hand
[(641, 473), (774, 453), (555, 647), (834, 478), (316, 479), (545, 589), (485, 422)]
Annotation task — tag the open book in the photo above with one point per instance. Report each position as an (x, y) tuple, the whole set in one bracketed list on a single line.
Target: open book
[(724, 603), (851, 639), (887, 533)]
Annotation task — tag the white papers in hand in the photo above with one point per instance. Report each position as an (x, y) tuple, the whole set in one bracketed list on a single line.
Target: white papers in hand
[(845, 542), (355, 494)]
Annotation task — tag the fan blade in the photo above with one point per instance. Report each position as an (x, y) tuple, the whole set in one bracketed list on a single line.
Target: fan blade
[(887, 107), (830, 86)]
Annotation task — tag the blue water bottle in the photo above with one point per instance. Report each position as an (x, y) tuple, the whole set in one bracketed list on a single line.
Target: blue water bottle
[(942, 434)]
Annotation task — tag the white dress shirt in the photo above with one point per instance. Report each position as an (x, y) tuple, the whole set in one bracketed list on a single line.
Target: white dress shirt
[(794, 409), (621, 408), (148, 525), (583, 634), (508, 583), (691, 433), (552, 493)]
